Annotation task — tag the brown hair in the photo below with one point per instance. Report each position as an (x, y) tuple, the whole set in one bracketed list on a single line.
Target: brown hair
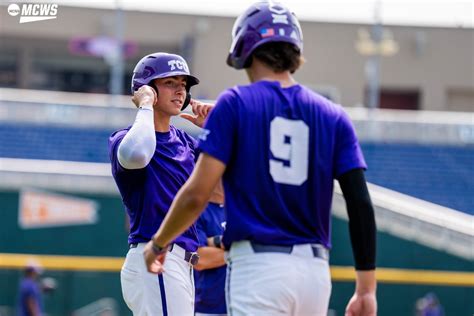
[(279, 56)]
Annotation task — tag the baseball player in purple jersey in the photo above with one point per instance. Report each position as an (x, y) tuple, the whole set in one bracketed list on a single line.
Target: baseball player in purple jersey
[(30, 298), (210, 272), (278, 147), (151, 160)]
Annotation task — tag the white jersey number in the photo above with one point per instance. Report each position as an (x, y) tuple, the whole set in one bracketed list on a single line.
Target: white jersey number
[(289, 140)]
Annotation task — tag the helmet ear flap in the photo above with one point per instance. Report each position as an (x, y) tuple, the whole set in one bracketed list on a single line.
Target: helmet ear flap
[(154, 88), (186, 100)]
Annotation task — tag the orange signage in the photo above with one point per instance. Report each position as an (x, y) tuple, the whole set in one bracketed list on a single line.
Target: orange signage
[(45, 209)]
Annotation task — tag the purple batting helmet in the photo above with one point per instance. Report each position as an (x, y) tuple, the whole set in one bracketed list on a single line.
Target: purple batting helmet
[(261, 23), (162, 65)]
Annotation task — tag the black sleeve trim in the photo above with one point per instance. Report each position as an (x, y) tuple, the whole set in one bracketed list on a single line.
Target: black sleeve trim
[(362, 226)]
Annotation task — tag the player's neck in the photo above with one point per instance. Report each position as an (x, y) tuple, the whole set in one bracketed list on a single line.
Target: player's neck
[(162, 123), (259, 71)]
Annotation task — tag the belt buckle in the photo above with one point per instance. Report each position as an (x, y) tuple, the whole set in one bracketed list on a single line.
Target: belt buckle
[(320, 252), (193, 258)]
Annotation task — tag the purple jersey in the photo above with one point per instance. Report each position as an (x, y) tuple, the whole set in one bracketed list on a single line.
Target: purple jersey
[(29, 289), (210, 283), (147, 193), (283, 148)]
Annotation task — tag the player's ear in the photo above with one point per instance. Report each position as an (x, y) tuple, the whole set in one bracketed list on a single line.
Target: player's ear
[(152, 84)]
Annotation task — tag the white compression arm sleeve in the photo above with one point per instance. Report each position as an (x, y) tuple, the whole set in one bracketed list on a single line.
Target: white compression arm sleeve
[(139, 144)]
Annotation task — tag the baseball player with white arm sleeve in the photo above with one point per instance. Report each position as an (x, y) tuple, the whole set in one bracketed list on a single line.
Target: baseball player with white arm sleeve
[(151, 160), (278, 147)]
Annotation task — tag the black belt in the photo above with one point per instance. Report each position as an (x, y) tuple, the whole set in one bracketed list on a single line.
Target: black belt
[(319, 251), (190, 257)]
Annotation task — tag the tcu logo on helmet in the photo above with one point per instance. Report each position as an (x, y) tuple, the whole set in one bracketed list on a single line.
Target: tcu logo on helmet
[(280, 13), (175, 63)]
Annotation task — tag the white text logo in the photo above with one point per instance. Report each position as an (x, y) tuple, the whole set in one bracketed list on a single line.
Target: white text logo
[(32, 12), (178, 64)]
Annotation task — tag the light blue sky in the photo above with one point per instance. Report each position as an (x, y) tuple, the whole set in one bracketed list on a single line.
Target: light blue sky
[(450, 13)]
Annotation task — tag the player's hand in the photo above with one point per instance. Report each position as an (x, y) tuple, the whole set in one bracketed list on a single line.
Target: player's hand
[(154, 263), (362, 305), (145, 95), (201, 111)]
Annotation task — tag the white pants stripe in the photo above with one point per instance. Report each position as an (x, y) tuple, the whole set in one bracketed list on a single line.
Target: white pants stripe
[(141, 289)]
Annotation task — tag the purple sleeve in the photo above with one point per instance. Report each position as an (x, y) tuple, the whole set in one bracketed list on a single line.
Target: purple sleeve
[(29, 291), (114, 141), (348, 154), (219, 132)]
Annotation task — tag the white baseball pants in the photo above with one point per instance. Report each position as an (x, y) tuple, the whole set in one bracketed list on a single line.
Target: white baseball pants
[(272, 283), (147, 294)]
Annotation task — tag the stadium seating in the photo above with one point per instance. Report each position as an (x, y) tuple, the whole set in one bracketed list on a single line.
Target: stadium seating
[(436, 173), (53, 143), (440, 174)]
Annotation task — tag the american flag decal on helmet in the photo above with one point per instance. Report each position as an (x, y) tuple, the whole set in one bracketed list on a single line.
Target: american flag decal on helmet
[(267, 32)]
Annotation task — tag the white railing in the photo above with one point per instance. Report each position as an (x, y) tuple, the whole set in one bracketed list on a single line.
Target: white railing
[(72, 110), (68, 176), (417, 220)]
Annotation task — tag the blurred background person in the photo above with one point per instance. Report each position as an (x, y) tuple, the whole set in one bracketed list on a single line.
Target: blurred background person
[(429, 305), (30, 300)]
